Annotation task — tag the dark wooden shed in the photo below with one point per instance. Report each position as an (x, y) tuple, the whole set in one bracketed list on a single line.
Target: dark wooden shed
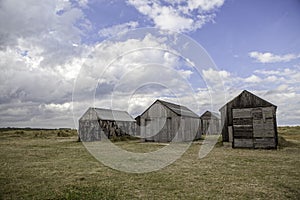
[(165, 122), (210, 123), (98, 121), (249, 121)]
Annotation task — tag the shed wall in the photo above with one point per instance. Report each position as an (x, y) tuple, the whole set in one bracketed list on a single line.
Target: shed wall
[(160, 124), (244, 100), (254, 127), (93, 129), (210, 124)]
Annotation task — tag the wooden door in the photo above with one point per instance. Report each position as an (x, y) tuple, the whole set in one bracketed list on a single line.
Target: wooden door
[(263, 127), (242, 132)]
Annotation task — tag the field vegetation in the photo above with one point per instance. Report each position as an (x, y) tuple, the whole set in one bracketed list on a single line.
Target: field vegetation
[(51, 164)]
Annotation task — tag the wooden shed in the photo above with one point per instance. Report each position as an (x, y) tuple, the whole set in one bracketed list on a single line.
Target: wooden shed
[(165, 122), (249, 121), (210, 123), (98, 121)]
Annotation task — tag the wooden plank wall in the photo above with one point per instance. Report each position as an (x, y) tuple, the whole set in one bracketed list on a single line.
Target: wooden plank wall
[(89, 130), (244, 100), (242, 128), (154, 125), (92, 129), (254, 127)]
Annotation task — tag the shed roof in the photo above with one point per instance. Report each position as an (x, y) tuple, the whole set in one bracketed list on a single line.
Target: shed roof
[(179, 109), (211, 113), (238, 101), (113, 115)]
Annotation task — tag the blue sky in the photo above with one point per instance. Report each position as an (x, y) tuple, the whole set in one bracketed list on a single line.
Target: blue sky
[(54, 52), (245, 26)]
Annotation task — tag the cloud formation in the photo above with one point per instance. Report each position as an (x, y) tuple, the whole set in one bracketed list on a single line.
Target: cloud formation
[(42, 50), (178, 15), (142, 69), (41, 53), (117, 29), (268, 57)]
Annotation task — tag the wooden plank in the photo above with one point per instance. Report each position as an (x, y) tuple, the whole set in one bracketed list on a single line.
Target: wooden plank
[(242, 131), (264, 133), (264, 143), (242, 121), (257, 114), (268, 112), (241, 113), (243, 134), (242, 127), (263, 128), (243, 143), (230, 133)]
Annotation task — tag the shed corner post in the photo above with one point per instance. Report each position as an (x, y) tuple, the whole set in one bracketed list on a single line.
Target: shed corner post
[(275, 129)]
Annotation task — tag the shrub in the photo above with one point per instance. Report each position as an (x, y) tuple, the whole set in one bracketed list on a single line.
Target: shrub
[(19, 132), (284, 143), (61, 133)]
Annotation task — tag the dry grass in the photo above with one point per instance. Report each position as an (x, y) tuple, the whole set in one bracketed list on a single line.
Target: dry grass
[(41, 165), (290, 133)]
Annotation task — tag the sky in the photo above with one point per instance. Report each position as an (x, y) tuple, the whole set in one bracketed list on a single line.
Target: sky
[(59, 57)]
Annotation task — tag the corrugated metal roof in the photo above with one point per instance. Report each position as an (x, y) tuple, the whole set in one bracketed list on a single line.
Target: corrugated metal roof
[(179, 110), (113, 115)]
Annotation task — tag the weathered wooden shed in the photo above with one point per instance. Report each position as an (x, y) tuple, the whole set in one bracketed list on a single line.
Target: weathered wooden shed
[(98, 121), (165, 122), (249, 121), (210, 123)]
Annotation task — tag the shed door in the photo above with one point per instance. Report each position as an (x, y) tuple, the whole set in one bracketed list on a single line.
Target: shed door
[(263, 127), (242, 128)]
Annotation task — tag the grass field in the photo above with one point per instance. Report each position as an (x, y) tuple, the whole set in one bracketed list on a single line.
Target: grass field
[(37, 164)]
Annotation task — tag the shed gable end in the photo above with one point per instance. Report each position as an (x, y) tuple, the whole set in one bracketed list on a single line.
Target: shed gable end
[(90, 114), (248, 100)]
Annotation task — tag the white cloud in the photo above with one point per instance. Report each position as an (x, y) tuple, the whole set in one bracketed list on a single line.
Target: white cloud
[(127, 70), (271, 78), (118, 29), (35, 19), (177, 15), (215, 79), (41, 52), (45, 34), (214, 75), (272, 58), (252, 79), (59, 107), (288, 75), (280, 87), (185, 73), (267, 72), (205, 5), (83, 3)]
